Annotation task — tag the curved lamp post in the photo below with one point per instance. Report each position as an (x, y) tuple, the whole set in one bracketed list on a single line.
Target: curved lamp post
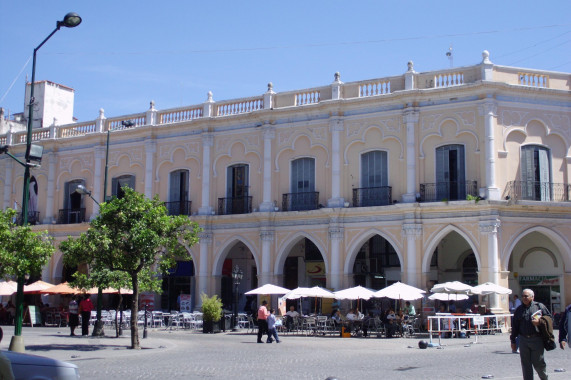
[(237, 275), (71, 20)]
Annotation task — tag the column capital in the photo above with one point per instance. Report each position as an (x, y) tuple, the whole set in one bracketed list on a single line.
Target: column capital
[(205, 237), (410, 116), (267, 235), (150, 146), (489, 226), (268, 131), (336, 124), (488, 107), (207, 139), (336, 233), (412, 230)]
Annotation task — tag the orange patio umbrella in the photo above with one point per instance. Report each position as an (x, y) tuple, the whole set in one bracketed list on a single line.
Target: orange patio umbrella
[(37, 287), (62, 288)]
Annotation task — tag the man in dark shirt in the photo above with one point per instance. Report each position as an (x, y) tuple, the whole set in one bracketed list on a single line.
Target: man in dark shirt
[(525, 326)]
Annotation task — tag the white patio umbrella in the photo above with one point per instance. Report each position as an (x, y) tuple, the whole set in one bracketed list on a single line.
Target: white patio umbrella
[(448, 297), (452, 287), (490, 288), (7, 288), (354, 293), (316, 292), (268, 289), (400, 291)]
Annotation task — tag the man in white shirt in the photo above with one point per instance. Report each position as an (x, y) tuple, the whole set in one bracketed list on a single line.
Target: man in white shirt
[(291, 314)]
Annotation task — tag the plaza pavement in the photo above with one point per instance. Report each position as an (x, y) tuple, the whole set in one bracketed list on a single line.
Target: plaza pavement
[(182, 354)]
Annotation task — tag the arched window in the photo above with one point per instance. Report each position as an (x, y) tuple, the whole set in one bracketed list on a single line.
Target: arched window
[(535, 162)]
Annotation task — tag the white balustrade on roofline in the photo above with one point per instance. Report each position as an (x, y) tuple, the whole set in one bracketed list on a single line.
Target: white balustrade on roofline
[(306, 97)]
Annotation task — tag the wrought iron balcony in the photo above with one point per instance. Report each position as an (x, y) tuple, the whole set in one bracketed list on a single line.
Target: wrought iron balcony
[(178, 208), (71, 216), (447, 191), (236, 205), (300, 201), (538, 191), (33, 218), (372, 196)]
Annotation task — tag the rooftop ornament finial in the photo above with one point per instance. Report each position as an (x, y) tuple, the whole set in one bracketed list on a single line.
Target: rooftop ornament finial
[(101, 113), (209, 97), (270, 87), (152, 105), (337, 77), (486, 57), (410, 66)]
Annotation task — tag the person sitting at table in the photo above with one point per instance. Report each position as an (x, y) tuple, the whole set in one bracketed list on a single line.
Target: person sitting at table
[(409, 309), (290, 315), (475, 309), (366, 321), (352, 316), (452, 307), (11, 309), (391, 322), (337, 318)]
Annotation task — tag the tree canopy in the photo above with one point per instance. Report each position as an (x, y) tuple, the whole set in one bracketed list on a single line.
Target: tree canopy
[(22, 251), (134, 238)]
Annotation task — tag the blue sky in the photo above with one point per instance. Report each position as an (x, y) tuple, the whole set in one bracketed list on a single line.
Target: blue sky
[(126, 53)]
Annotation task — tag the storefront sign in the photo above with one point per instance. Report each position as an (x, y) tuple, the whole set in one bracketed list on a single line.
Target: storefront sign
[(316, 269), (539, 280)]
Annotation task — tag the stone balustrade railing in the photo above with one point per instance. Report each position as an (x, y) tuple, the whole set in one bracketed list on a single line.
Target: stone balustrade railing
[(411, 80)]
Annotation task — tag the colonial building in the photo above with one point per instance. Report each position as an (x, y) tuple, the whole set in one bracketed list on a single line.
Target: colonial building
[(458, 174)]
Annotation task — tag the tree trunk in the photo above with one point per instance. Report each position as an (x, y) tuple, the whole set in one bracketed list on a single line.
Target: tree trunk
[(134, 313), (118, 310)]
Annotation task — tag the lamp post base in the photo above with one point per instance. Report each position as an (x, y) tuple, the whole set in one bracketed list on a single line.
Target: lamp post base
[(17, 344), (98, 329)]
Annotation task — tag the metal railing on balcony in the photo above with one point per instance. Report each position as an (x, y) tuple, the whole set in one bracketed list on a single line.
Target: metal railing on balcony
[(33, 218), (372, 196), (178, 208), (71, 216), (300, 201), (538, 191), (447, 191), (236, 205)]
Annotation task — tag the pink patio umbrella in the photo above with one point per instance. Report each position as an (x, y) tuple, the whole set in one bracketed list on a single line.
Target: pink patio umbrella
[(37, 287), (7, 288)]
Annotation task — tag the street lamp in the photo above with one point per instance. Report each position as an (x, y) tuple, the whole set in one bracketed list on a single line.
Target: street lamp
[(83, 190), (237, 275), (71, 20)]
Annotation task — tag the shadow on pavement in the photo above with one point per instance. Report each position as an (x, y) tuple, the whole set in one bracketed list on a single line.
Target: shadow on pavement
[(72, 347)]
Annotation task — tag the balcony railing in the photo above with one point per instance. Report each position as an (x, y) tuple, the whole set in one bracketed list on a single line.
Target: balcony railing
[(71, 216), (447, 191), (178, 208), (33, 218), (236, 205), (300, 201), (372, 196), (538, 191)]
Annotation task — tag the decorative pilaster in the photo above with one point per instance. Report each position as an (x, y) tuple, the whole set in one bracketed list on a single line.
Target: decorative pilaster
[(336, 234), (413, 234), (410, 118), (8, 167), (150, 150), (269, 134), (50, 200), (207, 142), (336, 126), (488, 110), (97, 179)]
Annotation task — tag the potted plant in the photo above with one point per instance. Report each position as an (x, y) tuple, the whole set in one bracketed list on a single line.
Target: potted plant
[(211, 313)]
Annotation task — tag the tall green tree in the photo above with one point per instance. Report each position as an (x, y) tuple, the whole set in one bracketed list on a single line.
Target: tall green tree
[(133, 235), (22, 252)]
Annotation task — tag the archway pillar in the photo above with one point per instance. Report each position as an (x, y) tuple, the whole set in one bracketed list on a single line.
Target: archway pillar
[(412, 274), (335, 274), (490, 271), (203, 275)]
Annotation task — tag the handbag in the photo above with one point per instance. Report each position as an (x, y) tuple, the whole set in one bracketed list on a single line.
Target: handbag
[(549, 345)]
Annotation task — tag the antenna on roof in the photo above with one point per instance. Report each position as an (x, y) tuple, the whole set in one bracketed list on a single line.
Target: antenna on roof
[(450, 56)]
